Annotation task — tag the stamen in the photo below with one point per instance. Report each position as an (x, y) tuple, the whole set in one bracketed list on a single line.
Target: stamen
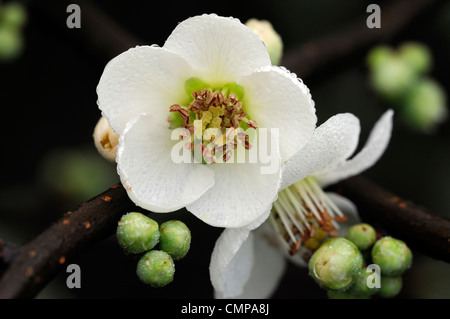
[(306, 215)]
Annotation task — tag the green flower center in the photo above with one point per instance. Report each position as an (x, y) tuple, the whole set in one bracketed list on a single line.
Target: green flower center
[(220, 115)]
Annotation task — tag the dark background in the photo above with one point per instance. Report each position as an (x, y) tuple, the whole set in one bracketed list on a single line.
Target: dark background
[(48, 113)]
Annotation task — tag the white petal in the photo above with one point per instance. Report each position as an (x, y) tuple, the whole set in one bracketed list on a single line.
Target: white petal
[(246, 264), (142, 79), (275, 98), (331, 143), (269, 266), (240, 195), (231, 262), (373, 149), (153, 181), (219, 49)]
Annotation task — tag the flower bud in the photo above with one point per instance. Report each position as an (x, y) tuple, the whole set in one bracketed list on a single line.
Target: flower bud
[(175, 238), (424, 106), (392, 78), (106, 140), (362, 235), (13, 15), (360, 286), (137, 233), (392, 256), (156, 268), (390, 286), (336, 264), (378, 55), (269, 36), (417, 56), (11, 44)]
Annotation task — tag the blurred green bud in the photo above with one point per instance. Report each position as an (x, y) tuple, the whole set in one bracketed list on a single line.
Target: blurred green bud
[(11, 44), (269, 36), (378, 55), (417, 56), (137, 233), (362, 235), (175, 238), (425, 105), (390, 286), (393, 77), (336, 264), (360, 286), (156, 268), (392, 255), (13, 15)]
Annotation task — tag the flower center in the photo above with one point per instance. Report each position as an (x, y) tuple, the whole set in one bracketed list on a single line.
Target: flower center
[(215, 120), (304, 216)]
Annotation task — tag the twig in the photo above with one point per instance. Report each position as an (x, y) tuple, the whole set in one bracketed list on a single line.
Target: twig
[(419, 228), (310, 57), (35, 263)]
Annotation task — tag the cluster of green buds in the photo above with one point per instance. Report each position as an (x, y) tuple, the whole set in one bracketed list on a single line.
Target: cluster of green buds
[(12, 19), (401, 78), (138, 234), (361, 265)]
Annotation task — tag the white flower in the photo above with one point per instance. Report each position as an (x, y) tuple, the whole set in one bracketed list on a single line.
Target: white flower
[(205, 56), (248, 262)]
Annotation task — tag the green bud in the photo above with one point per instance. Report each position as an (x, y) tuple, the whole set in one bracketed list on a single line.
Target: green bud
[(390, 286), (362, 235), (175, 238), (379, 55), (137, 233), (336, 264), (156, 268), (269, 36), (417, 56), (424, 106), (11, 44), (392, 256), (392, 78), (13, 15), (360, 286)]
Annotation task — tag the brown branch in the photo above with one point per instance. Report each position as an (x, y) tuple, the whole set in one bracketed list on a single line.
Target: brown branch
[(31, 266), (310, 57), (34, 264), (419, 228)]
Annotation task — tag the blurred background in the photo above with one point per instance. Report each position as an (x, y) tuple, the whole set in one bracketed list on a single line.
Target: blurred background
[(48, 113)]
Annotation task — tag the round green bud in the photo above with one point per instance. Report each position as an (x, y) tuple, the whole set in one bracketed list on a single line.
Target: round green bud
[(424, 106), (361, 286), (392, 78), (390, 286), (362, 235), (378, 55), (417, 56), (11, 44), (175, 238), (156, 268), (13, 15), (392, 256), (137, 233), (336, 264)]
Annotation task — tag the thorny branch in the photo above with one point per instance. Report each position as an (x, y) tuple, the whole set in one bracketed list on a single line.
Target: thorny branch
[(28, 268)]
